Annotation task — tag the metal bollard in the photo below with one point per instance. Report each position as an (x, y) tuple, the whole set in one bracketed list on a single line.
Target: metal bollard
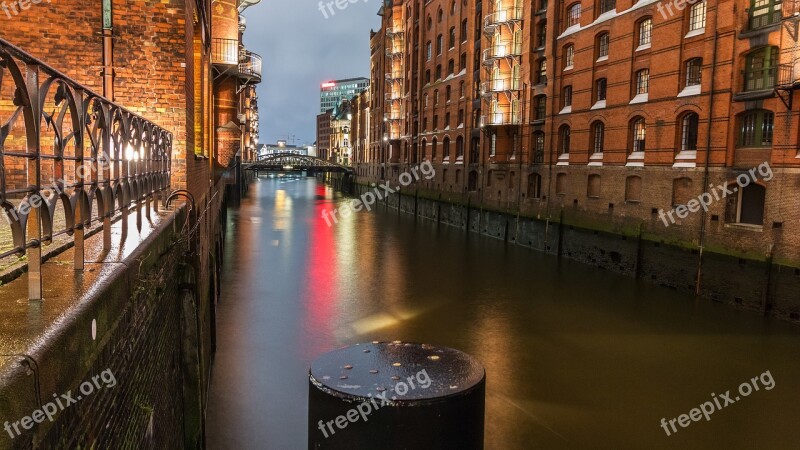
[(396, 395)]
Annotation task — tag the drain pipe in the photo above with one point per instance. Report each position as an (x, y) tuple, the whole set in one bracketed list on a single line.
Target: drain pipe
[(706, 170)]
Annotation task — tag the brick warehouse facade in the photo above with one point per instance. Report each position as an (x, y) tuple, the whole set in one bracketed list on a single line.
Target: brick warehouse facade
[(603, 116), (181, 64)]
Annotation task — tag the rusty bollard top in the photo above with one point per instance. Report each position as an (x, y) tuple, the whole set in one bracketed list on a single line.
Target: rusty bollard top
[(400, 372)]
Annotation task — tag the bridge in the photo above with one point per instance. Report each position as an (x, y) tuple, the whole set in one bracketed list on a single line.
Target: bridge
[(292, 162)]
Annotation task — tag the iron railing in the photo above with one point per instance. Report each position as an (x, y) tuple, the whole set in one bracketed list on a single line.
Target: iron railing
[(225, 51), (500, 85), (502, 16), (500, 119), (69, 159), (250, 65)]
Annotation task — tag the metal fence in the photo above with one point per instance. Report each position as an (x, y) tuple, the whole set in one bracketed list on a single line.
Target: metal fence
[(69, 160)]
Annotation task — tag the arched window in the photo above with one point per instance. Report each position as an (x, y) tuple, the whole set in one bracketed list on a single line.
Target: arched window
[(534, 186), (602, 44), (593, 186), (564, 139), (433, 149), (460, 147), (573, 15), (453, 8), (633, 189), (598, 137), (638, 135), (760, 72), (439, 15), (694, 71), (755, 128), (569, 57), (446, 148), (697, 16), (452, 37), (644, 32), (689, 127)]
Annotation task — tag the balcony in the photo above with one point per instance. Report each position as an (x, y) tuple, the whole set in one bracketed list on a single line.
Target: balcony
[(761, 79), (394, 32), (501, 119), (502, 50), (394, 52), (504, 16), (250, 66), (224, 52), (393, 116), (394, 76), (500, 85)]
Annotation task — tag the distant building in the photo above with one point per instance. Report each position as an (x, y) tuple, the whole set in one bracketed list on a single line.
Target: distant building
[(281, 147), (332, 93), (324, 134)]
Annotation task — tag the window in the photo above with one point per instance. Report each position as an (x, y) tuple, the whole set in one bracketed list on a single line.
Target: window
[(602, 45), (464, 30), (747, 205), (453, 7), (429, 50), (593, 186), (761, 69), (564, 139), (645, 32), (447, 120), (633, 189), (598, 137), (689, 127), (540, 107), (569, 57), (697, 16), (425, 100), (436, 97), (451, 67), (755, 129), (566, 97), (605, 6), (438, 71), (541, 77), (538, 147), (460, 117), (433, 148), (764, 13), (460, 147), (574, 15), (427, 76), (435, 121), (638, 134), (561, 184), (430, 23), (452, 37), (447, 92), (694, 70), (461, 89), (439, 15), (541, 34), (439, 44), (446, 147), (534, 186), (642, 81), (600, 88), (463, 62)]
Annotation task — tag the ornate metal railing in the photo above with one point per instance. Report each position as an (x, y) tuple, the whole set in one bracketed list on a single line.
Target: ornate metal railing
[(250, 65), (69, 160)]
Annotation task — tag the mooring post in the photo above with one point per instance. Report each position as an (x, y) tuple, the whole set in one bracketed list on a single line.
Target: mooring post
[(396, 395)]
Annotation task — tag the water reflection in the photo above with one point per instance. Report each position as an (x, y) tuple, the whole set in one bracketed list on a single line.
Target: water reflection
[(576, 357)]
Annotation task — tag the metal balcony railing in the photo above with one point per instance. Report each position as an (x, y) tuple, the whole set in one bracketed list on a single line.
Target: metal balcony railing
[(394, 51), (70, 160), (786, 75), (503, 16), (393, 116), (502, 50), (394, 75), (500, 119), (392, 96), (394, 31), (500, 85), (760, 79), (250, 66), (225, 51)]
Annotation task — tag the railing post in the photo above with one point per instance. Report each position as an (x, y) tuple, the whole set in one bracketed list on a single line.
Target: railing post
[(34, 199)]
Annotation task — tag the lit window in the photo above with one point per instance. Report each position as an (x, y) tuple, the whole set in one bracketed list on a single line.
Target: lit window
[(697, 16), (645, 32), (694, 69), (642, 81)]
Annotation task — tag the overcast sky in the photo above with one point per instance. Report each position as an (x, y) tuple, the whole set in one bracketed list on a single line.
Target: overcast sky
[(302, 49)]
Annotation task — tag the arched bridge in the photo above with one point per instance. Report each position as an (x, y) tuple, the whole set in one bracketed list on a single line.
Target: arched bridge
[(292, 162)]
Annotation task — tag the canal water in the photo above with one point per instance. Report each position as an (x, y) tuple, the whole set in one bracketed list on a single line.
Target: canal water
[(576, 357)]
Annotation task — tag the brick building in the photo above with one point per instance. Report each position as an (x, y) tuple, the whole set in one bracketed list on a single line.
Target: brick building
[(614, 115), (181, 65)]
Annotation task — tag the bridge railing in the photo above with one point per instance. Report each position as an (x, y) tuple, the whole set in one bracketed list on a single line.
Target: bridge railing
[(70, 160)]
